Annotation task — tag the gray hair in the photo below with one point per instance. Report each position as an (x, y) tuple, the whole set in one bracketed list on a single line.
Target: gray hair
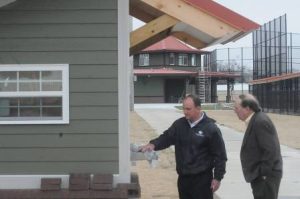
[(248, 100)]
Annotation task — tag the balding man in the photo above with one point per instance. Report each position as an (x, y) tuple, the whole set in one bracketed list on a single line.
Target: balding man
[(199, 151), (260, 151)]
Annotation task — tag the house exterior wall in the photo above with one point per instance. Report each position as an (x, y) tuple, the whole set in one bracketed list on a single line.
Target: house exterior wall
[(83, 34), (156, 59), (149, 89)]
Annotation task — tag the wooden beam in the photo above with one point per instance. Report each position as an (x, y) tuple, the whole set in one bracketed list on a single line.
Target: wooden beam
[(193, 17), (140, 14), (137, 9), (186, 38), (151, 29), (148, 42)]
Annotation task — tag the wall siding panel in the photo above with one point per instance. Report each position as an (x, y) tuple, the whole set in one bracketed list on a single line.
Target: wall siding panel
[(63, 5), (58, 30), (79, 126), (58, 44), (83, 34), (59, 167), (83, 57), (59, 154), (57, 16), (83, 140)]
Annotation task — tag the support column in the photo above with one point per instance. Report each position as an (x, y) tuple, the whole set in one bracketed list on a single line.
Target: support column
[(214, 95)]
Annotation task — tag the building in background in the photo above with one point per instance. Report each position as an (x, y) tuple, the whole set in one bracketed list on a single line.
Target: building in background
[(168, 70)]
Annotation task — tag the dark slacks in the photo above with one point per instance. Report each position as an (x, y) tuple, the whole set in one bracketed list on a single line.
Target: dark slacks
[(266, 188), (195, 186)]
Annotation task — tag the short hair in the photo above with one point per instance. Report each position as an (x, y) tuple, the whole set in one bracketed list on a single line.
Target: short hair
[(196, 100), (248, 100)]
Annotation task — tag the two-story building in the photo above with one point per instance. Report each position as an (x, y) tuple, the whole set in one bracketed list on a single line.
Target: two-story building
[(166, 71)]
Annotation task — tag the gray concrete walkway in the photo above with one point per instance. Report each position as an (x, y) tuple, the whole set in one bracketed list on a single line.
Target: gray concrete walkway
[(161, 116)]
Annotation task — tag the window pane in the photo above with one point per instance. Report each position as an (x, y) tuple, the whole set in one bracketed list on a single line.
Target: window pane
[(8, 112), (8, 75), (193, 61), (29, 101), (182, 59), (51, 75), (29, 75), (8, 87), (52, 101), (29, 86), (52, 112), (144, 60), (172, 59), (51, 86), (29, 112), (6, 102)]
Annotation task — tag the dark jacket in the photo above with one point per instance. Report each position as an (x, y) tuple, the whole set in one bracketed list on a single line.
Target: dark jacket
[(197, 149), (260, 151)]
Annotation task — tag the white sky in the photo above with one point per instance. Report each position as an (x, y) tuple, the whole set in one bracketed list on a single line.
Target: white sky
[(260, 11)]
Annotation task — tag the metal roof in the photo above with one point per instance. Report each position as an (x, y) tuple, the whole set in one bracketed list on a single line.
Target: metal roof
[(171, 44)]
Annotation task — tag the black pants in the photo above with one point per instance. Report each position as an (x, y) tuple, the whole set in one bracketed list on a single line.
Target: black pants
[(266, 188), (195, 186)]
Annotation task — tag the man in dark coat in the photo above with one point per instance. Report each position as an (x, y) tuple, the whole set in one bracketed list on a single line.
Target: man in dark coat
[(260, 151), (199, 151)]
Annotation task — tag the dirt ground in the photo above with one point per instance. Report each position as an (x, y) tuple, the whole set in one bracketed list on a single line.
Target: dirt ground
[(160, 182)]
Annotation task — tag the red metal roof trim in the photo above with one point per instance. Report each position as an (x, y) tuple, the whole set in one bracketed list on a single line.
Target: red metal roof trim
[(224, 14), (275, 78), (171, 44), (220, 74), (162, 71), (170, 71)]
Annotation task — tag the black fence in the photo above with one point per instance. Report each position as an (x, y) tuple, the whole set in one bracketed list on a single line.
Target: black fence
[(277, 53)]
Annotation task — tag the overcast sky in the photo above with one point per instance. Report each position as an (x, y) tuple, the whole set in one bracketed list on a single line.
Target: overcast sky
[(260, 11)]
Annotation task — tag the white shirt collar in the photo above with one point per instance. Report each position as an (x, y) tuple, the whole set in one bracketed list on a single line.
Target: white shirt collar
[(192, 124)]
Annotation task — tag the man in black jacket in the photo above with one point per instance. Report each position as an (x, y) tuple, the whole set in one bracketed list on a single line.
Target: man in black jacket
[(260, 152), (199, 151)]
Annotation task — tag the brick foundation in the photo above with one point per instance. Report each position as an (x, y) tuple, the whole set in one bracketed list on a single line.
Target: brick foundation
[(81, 186)]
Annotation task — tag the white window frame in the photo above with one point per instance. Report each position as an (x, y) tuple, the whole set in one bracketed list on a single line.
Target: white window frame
[(182, 59), (144, 59), (64, 93)]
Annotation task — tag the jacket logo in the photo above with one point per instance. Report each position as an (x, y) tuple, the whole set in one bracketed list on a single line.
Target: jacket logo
[(200, 133)]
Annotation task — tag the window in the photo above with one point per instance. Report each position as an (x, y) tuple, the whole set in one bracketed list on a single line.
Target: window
[(182, 60), (34, 94), (193, 60), (144, 60), (172, 59)]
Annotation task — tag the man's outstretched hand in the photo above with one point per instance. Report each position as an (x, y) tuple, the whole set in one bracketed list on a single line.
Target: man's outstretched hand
[(147, 147)]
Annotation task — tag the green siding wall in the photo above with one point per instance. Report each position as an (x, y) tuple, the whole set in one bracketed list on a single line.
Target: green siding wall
[(82, 33)]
